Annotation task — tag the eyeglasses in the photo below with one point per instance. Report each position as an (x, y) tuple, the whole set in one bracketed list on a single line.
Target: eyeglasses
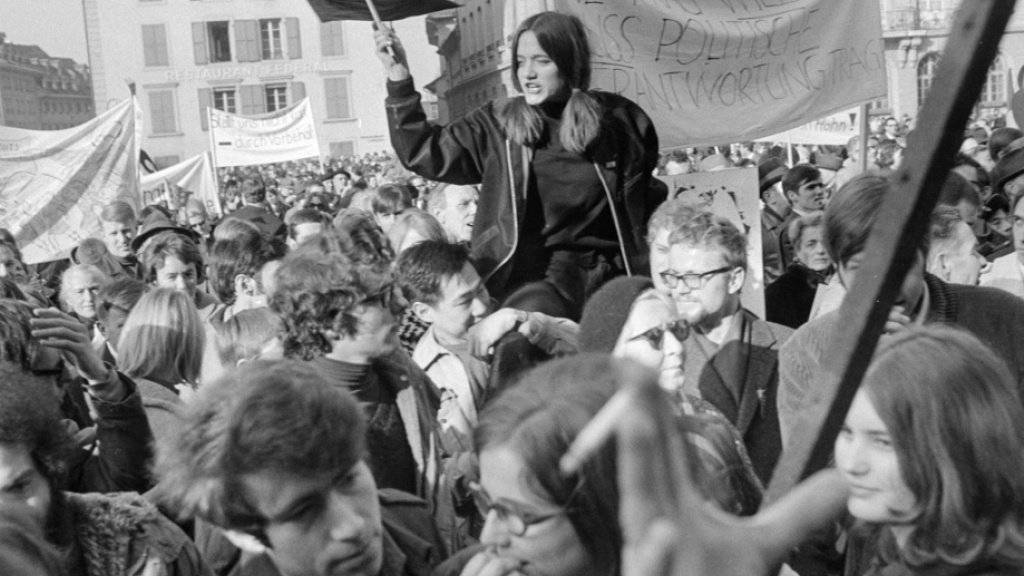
[(515, 519), (680, 329), (692, 281)]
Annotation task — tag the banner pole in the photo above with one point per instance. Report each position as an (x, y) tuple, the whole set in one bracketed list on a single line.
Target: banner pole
[(378, 23), (863, 137), (213, 159)]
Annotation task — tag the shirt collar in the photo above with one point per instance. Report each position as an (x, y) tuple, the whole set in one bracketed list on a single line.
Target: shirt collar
[(428, 350)]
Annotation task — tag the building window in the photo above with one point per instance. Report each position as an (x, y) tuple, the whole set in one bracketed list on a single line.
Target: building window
[(925, 75), (276, 97), (161, 112), (218, 39), (270, 39), (343, 149), (224, 100), (154, 45), (993, 92), (336, 93), (332, 38)]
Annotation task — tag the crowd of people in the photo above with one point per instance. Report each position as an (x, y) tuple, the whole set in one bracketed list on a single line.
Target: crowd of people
[(504, 349)]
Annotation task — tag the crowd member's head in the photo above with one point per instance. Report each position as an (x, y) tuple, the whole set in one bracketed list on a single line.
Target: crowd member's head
[(670, 215), (953, 249), (888, 155), (412, 227), (254, 192), (362, 199), (707, 265), (628, 319), (232, 228), (959, 193), (195, 217), (891, 128), (79, 285), (355, 236), (1000, 138), (1018, 226), (234, 270), (114, 302), (332, 305), (119, 226), (932, 448), (974, 173), (454, 206), (555, 524), (306, 223), (11, 265), (274, 453), (807, 236), (439, 282), (851, 214), (162, 339), (996, 213), (551, 63), (34, 447), (245, 335), (677, 162), (171, 260), (389, 201), (803, 188)]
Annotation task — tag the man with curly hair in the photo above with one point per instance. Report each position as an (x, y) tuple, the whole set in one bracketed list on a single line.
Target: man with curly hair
[(339, 314)]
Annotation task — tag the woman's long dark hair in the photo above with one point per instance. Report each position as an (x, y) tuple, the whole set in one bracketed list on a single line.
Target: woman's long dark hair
[(564, 39), (952, 409)]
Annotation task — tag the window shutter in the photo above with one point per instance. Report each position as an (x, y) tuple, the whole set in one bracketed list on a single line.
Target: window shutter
[(332, 38), (336, 94), (154, 45), (252, 100), (298, 92), (205, 101), (294, 41), (199, 43), (247, 40)]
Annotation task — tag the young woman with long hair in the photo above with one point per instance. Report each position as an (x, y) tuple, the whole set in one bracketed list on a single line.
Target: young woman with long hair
[(566, 171), (933, 448)]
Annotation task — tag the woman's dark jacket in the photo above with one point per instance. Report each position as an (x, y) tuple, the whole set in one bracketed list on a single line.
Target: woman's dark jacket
[(475, 150)]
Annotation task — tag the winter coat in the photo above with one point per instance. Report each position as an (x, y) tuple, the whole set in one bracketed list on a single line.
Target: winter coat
[(476, 150)]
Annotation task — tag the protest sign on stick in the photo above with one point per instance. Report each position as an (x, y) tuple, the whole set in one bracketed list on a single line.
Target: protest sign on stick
[(713, 71), (195, 175), (287, 134), (734, 195), (53, 184)]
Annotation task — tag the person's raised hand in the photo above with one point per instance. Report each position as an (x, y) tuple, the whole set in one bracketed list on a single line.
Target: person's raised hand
[(485, 334), (391, 53), (55, 329), (668, 528), (897, 321)]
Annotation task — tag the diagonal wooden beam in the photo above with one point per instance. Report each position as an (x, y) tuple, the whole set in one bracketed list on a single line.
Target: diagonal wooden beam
[(903, 220)]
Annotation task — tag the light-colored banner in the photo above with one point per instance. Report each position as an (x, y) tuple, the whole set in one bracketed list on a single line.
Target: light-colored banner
[(734, 195), (716, 71), (287, 134), (53, 184), (836, 130), (195, 175)]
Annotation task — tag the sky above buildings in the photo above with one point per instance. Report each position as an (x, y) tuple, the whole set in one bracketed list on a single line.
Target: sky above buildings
[(56, 26)]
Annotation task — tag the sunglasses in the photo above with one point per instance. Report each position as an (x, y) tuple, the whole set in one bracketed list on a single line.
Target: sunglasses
[(680, 329)]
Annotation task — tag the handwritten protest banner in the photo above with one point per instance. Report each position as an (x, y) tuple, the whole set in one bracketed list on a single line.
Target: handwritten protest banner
[(53, 184), (287, 134), (836, 130), (714, 71), (194, 175), (734, 195)]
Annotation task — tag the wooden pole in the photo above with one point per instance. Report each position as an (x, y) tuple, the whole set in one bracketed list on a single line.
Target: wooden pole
[(892, 247), (378, 24), (863, 122)]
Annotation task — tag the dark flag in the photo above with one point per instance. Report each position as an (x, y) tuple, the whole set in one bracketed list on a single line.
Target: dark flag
[(329, 10)]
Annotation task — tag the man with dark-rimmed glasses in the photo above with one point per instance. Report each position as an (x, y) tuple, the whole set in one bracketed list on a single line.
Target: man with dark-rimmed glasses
[(731, 354)]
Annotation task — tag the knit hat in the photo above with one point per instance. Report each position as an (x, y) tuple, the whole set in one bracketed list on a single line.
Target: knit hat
[(606, 312)]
